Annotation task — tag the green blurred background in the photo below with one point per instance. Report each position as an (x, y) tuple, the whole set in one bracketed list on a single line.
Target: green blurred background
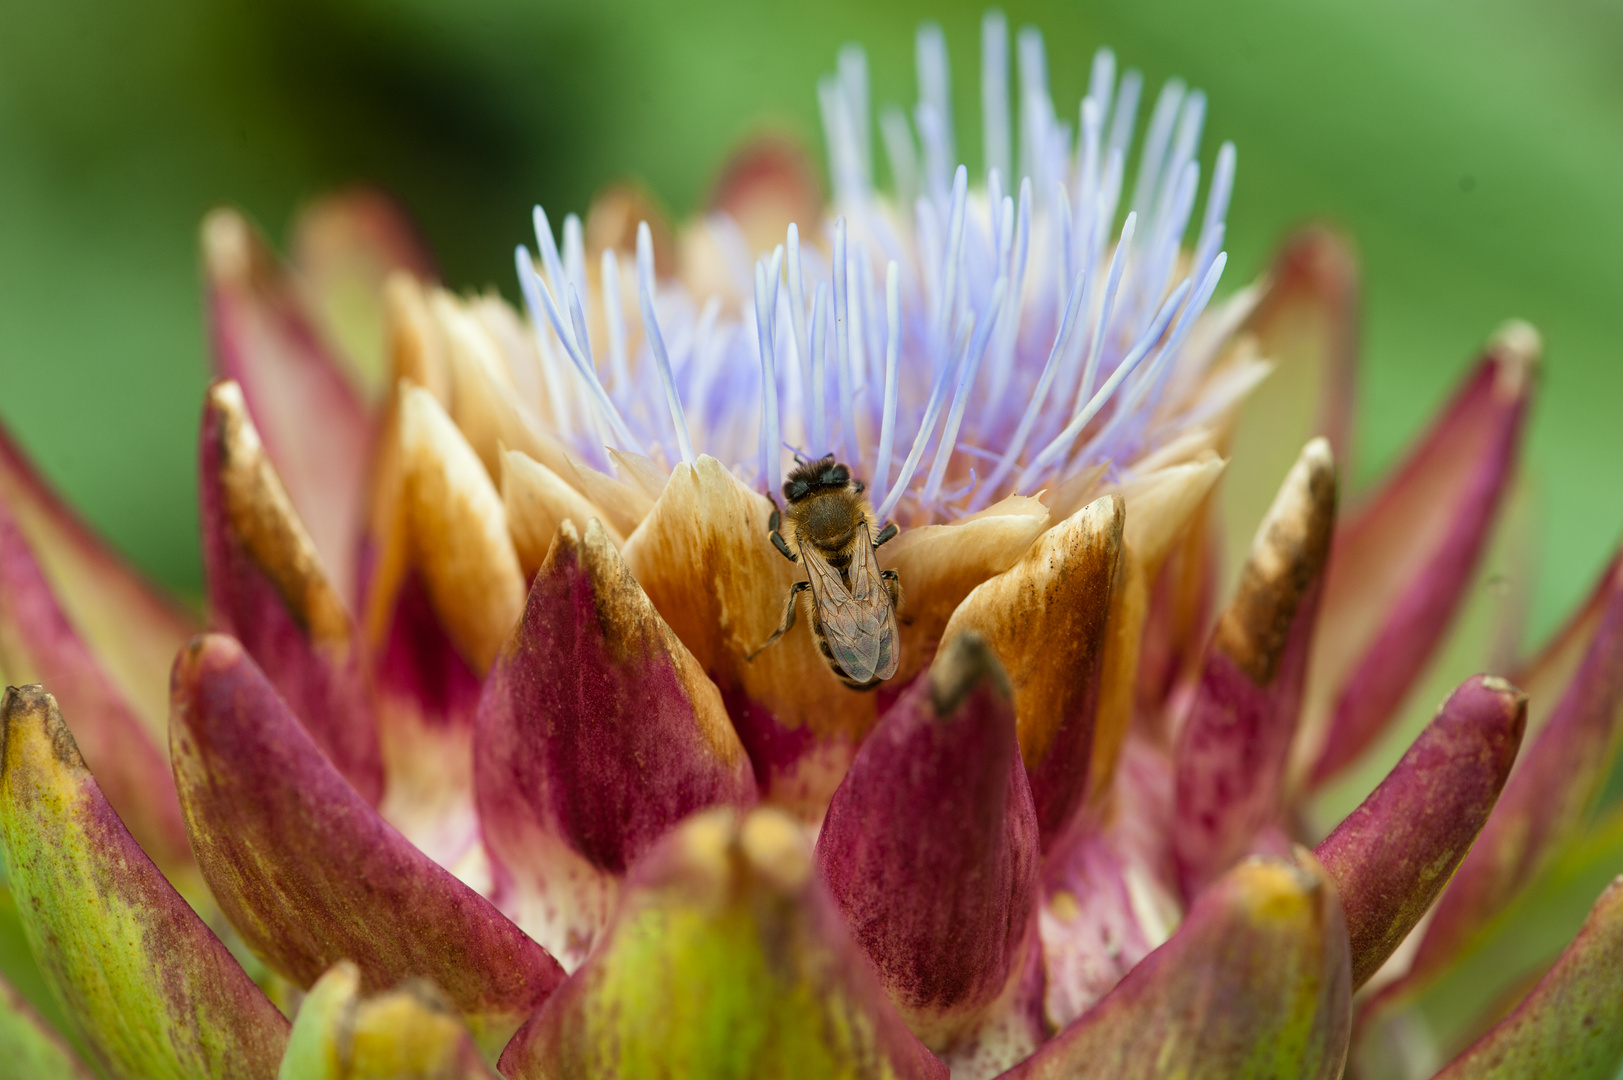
[(1474, 151)]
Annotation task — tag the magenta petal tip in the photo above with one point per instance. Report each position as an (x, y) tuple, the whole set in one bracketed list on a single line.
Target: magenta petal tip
[(597, 732), (1404, 559), (308, 872), (1234, 746), (267, 589), (1395, 852), (930, 848)]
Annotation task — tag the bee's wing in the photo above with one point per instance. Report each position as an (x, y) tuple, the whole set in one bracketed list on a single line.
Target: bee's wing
[(866, 582), (858, 623)]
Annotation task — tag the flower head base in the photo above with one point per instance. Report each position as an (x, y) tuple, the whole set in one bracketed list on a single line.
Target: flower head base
[(483, 757)]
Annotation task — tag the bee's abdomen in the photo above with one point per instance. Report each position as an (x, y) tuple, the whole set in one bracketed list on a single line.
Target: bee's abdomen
[(839, 559), (833, 664)]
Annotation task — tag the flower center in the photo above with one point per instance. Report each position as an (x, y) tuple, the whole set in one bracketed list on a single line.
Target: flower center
[(952, 346)]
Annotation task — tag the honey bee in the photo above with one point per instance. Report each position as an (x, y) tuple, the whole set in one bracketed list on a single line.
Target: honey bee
[(853, 602)]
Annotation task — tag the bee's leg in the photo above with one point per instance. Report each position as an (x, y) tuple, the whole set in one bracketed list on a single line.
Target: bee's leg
[(887, 533), (893, 585), (789, 611), (777, 537), (783, 548)]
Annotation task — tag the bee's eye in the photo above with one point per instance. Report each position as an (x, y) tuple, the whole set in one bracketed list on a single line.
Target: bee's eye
[(838, 475), (794, 490)]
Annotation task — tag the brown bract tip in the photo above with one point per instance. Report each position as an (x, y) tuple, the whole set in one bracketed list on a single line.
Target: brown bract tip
[(1287, 558), (963, 664), (623, 610), (620, 600), (264, 521), (24, 704), (1504, 686)]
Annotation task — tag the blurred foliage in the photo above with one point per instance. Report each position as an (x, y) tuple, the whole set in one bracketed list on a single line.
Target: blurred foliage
[(1472, 150)]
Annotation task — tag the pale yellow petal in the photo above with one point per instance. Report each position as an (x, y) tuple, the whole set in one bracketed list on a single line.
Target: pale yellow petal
[(1192, 444), (264, 521), (703, 557), (940, 564), (457, 531), (624, 505), (1045, 619), (1161, 506), (1074, 492), (640, 472), (537, 501), (416, 348), (702, 264), (481, 388), (481, 394)]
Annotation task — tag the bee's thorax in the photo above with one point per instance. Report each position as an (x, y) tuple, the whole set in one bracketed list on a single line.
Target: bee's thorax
[(830, 522)]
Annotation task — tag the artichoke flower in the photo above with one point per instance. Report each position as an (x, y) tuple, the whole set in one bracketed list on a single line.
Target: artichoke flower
[(480, 769)]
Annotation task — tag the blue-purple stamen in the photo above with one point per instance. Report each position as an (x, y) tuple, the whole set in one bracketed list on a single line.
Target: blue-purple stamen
[(979, 287), (842, 346), (893, 346), (656, 340), (766, 303), (616, 323)]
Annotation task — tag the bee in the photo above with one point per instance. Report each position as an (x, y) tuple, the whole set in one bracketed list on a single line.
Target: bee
[(853, 602)]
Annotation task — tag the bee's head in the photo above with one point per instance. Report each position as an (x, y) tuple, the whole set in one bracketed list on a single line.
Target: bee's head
[(811, 476)]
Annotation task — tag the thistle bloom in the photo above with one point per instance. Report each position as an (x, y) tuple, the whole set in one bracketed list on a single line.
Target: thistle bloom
[(474, 770)]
